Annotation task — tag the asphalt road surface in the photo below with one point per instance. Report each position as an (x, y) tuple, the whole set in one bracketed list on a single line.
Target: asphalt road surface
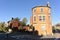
[(23, 37)]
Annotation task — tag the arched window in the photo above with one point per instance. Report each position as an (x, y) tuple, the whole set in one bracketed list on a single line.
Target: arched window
[(34, 18)]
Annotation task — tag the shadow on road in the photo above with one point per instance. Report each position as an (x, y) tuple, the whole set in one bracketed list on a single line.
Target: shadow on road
[(24, 36)]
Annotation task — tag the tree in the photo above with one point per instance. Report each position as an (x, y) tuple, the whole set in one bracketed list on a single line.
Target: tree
[(24, 21), (53, 29), (17, 19), (3, 27)]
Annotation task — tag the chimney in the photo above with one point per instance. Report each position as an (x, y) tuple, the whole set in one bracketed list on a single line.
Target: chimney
[(48, 4)]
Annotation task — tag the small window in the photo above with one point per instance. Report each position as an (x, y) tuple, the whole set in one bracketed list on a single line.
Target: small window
[(49, 17), (34, 18), (34, 10), (41, 9), (49, 10)]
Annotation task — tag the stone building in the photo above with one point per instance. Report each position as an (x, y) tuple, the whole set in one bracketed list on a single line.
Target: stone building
[(41, 19)]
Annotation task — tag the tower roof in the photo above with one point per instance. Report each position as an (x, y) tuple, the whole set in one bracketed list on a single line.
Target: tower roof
[(41, 6)]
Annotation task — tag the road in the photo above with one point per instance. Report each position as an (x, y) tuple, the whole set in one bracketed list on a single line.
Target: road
[(23, 37)]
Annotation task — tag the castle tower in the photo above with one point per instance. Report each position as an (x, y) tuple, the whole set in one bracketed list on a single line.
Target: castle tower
[(41, 19)]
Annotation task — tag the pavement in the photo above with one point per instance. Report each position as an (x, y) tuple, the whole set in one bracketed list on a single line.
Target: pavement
[(55, 35)]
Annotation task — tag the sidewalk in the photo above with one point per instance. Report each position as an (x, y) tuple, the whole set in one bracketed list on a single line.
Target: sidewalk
[(55, 35)]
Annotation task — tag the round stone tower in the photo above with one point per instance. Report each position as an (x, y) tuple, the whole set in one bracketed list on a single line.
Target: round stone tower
[(41, 19)]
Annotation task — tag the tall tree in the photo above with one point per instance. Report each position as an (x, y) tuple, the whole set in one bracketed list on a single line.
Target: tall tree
[(24, 21)]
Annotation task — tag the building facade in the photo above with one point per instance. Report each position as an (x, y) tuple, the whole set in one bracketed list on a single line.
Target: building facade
[(41, 19)]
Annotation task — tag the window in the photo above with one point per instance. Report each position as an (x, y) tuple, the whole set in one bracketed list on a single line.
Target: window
[(49, 17), (49, 10), (34, 18), (42, 18), (34, 10), (41, 9)]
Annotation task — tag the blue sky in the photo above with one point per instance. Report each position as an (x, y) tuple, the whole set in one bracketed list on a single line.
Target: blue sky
[(23, 8)]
